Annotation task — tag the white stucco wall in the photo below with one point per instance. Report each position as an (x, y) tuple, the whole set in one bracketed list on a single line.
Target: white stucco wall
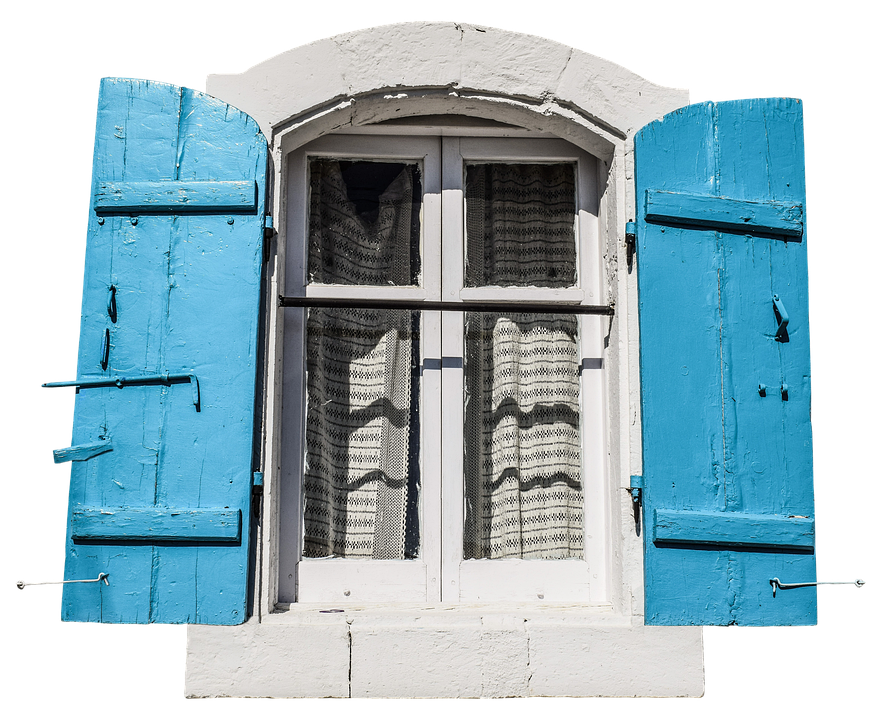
[(416, 69)]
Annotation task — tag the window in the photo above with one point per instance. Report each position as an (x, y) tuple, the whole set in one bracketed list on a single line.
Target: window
[(435, 455)]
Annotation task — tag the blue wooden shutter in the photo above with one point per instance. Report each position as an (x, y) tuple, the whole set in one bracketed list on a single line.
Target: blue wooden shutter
[(725, 375), (164, 418)]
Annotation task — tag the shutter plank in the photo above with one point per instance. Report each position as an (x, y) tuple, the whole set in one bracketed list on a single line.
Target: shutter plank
[(723, 213), (732, 529)]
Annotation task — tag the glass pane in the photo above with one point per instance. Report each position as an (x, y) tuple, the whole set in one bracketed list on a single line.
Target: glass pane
[(520, 225), (524, 494), (364, 223), (361, 474)]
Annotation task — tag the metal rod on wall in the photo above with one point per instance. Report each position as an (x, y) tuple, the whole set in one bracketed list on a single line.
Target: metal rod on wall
[(444, 306)]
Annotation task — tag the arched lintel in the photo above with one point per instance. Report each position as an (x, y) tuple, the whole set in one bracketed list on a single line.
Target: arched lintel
[(395, 103)]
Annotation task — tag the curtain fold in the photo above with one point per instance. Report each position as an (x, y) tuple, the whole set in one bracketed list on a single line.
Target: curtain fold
[(362, 234)]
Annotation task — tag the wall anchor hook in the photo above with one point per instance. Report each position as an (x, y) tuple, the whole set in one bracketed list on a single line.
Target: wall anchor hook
[(858, 583), (21, 583)]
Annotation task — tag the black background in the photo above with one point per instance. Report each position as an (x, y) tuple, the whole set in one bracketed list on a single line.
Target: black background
[(49, 135)]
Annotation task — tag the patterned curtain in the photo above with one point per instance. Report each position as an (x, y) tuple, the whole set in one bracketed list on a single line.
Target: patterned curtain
[(520, 222), (523, 485), (361, 475), (524, 494)]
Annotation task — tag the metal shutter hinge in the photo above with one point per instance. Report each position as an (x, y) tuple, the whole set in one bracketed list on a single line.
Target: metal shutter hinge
[(631, 233), (269, 232), (257, 492), (637, 485)]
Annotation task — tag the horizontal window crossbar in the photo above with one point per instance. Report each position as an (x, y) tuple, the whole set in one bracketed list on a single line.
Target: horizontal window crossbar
[(538, 308)]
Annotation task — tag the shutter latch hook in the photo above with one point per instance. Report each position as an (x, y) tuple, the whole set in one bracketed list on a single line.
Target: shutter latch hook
[(101, 576), (779, 585)]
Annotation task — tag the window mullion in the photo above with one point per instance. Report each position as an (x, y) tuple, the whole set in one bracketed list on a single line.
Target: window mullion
[(452, 370), (431, 380)]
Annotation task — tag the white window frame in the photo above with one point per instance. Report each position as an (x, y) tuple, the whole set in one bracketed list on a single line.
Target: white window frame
[(441, 573)]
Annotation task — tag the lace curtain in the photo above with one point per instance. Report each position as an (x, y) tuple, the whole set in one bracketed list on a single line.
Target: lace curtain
[(524, 495), (520, 222), (522, 447), (361, 476)]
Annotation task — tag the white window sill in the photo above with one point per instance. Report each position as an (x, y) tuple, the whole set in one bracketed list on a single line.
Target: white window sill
[(466, 650), (416, 613)]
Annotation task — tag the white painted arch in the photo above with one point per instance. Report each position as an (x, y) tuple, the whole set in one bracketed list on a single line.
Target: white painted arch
[(424, 68)]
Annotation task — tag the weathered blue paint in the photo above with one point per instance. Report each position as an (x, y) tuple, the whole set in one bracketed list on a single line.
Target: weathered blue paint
[(155, 524), (712, 442), (723, 213), (86, 451), (187, 298), (175, 196), (732, 529)]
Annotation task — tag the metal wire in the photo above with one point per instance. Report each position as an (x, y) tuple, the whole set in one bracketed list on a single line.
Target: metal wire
[(779, 585), (102, 576)]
